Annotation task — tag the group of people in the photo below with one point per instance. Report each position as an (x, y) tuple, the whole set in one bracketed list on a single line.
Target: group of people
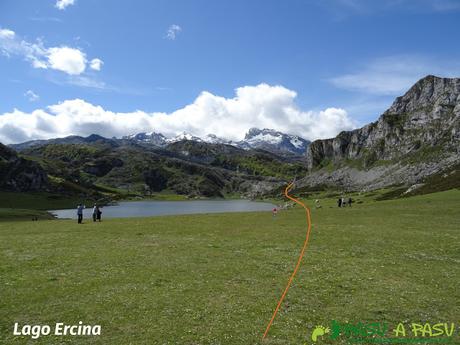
[(341, 202), (97, 213)]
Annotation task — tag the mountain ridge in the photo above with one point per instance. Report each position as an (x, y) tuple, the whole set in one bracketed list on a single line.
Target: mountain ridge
[(266, 139), (417, 136)]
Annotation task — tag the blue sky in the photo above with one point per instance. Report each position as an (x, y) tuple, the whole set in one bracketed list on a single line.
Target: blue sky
[(353, 56)]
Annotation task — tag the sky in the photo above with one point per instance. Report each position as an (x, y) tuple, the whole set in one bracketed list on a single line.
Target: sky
[(306, 67)]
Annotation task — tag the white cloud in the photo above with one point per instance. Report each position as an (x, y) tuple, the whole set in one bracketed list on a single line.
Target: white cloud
[(69, 60), (62, 4), (394, 75), (6, 34), (262, 106), (96, 64), (172, 32), (65, 59), (31, 96)]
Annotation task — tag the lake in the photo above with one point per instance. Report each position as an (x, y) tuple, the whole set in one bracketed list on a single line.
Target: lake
[(162, 208)]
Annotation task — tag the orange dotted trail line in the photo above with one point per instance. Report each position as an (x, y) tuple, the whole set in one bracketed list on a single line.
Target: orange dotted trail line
[(299, 260)]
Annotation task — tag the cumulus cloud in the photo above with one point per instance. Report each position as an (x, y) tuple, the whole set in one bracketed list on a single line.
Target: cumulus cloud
[(31, 96), (65, 59), (6, 34), (172, 32), (393, 75), (96, 64), (69, 60), (62, 4), (262, 106)]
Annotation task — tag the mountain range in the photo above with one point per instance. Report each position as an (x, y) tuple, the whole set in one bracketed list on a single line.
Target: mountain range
[(413, 146), (148, 162), (266, 139)]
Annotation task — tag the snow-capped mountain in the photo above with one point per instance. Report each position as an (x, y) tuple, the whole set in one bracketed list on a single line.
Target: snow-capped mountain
[(157, 139), (266, 139), (214, 139), (271, 140), (183, 136)]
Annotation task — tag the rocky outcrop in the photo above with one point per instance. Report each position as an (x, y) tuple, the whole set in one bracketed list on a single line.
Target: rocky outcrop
[(419, 133), (102, 166), (20, 175)]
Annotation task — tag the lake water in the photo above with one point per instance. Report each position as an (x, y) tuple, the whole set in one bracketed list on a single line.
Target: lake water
[(161, 208)]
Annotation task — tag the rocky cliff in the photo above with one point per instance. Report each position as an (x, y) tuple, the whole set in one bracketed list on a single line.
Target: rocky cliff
[(19, 174), (417, 136)]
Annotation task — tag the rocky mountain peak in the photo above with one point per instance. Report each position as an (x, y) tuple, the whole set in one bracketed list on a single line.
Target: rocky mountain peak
[(417, 136), (214, 139), (429, 91), (184, 136), (154, 138), (272, 140), (253, 132), (94, 137)]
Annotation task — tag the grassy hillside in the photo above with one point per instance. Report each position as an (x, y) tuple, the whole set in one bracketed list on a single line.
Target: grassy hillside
[(215, 279), (25, 206), (186, 168)]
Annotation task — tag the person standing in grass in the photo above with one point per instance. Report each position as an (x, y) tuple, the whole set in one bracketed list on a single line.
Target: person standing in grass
[(80, 208), (95, 209), (98, 213), (275, 212)]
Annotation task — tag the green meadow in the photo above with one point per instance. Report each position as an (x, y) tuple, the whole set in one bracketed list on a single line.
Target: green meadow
[(216, 278)]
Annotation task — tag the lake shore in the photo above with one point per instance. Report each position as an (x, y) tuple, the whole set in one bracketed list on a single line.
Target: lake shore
[(148, 208)]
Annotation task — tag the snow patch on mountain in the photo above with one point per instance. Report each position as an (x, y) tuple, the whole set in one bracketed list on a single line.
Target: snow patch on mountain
[(214, 139), (271, 140), (183, 136), (266, 139)]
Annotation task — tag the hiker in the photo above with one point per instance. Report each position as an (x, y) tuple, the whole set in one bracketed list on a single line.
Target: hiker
[(275, 211), (99, 213), (95, 209), (80, 208), (350, 200), (339, 202)]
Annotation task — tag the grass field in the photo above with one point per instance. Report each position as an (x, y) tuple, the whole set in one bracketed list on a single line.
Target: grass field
[(32, 204), (215, 279), (16, 206)]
